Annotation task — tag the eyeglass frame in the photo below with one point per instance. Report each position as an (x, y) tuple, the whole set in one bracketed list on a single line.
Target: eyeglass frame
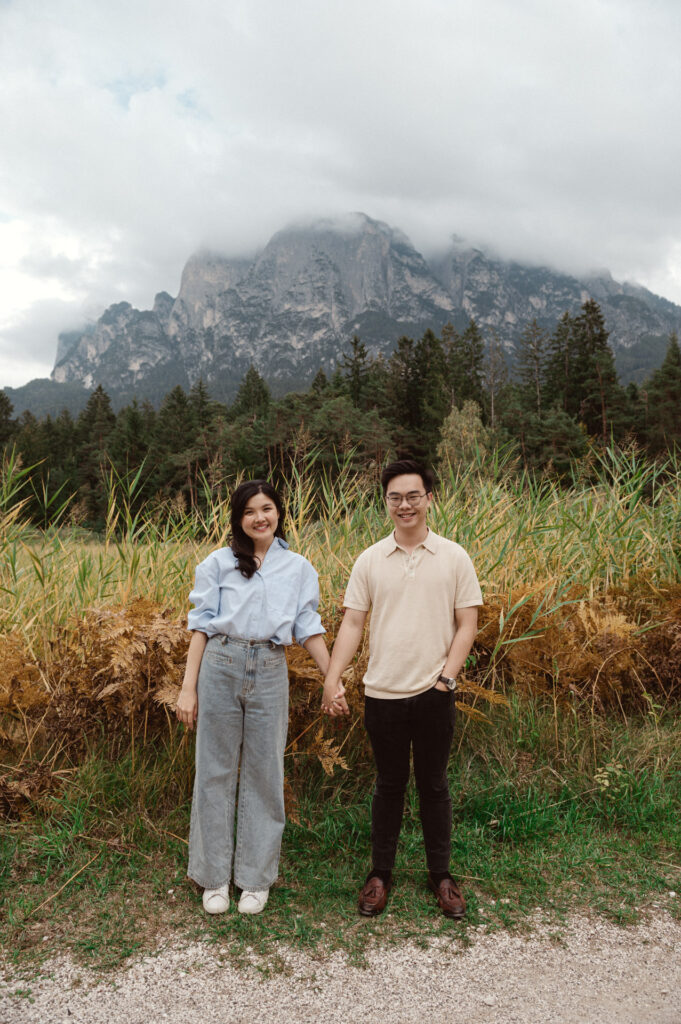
[(394, 500)]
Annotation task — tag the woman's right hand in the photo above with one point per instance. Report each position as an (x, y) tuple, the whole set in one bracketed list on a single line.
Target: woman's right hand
[(187, 707)]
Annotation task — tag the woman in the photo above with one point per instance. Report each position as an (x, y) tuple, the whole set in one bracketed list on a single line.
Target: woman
[(249, 600)]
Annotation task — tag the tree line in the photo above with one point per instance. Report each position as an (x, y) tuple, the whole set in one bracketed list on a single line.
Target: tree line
[(444, 398)]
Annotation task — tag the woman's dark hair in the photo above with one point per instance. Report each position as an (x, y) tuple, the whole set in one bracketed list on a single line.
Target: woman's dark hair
[(241, 545), (407, 466)]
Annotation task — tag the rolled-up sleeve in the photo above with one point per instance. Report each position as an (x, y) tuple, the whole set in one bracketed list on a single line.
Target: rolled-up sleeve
[(308, 621), (205, 597)]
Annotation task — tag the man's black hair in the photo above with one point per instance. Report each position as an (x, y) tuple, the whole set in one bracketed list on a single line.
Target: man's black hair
[(403, 466)]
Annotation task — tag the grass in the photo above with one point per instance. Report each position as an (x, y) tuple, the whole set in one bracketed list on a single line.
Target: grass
[(100, 872)]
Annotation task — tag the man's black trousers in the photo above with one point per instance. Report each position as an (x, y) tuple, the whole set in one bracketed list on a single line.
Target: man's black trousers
[(424, 725)]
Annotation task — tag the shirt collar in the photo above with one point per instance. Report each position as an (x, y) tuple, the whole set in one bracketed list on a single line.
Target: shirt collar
[(429, 543), (276, 547)]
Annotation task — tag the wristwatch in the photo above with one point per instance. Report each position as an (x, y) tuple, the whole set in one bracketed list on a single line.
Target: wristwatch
[(449, 681)]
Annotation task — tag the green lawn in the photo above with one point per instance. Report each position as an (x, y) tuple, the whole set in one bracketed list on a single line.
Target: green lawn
[(99, 871)]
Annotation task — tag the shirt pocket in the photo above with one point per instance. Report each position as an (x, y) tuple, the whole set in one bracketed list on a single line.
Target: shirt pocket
[(282, 599)]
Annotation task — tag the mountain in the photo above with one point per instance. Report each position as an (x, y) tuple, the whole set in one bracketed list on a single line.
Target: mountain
[(289, 311), (504, 296), (45, 397), (295, 306)]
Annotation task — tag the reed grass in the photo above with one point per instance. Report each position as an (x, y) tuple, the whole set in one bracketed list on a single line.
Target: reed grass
[(617, 527), (581, 585)]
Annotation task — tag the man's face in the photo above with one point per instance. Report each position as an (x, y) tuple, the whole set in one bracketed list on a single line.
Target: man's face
[(408, 515)]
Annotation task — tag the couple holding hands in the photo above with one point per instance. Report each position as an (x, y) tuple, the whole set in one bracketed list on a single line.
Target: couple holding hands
[(250, 601)]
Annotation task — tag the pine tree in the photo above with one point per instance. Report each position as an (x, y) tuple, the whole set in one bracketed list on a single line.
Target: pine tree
[(402, 394), (60, 446), (553, 441), (320, 383), (496, 379), (432, 390), (531, 359), (131, 438), (30, 440), (97, 419), (559, 364), (202, 406), (581, 375), (355, 370), (93, 428), (338, 428), (253, 397), (601, 395), (465, 359), (6, 422), (662, 393), (171, 449)]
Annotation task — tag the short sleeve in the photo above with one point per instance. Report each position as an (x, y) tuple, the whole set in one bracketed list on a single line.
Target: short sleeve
[(308, 621), (357, 594), (205, 596), (468, 593)]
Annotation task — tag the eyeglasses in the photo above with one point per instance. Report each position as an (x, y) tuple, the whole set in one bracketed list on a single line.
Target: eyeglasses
[(413, 498)]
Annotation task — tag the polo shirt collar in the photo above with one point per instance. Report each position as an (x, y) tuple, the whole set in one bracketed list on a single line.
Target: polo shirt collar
[(429, 543)]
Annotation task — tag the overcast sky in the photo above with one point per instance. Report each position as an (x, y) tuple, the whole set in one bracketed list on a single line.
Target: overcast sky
[(134, 131)]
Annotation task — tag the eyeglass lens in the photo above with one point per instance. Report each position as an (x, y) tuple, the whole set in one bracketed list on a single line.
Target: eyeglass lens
[(413, 498)]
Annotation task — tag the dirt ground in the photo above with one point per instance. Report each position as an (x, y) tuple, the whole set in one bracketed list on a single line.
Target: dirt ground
[(588, 971)]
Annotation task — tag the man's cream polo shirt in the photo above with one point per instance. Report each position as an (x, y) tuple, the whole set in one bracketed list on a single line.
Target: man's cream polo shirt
[(412, 600)]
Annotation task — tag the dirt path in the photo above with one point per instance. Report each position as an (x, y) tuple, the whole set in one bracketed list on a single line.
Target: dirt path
[(588, 972)]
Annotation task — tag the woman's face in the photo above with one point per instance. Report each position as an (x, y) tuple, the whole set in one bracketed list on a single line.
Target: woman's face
[(260, 520)]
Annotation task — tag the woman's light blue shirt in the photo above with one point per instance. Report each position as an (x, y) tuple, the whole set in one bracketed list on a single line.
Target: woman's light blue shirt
[(279, 601)]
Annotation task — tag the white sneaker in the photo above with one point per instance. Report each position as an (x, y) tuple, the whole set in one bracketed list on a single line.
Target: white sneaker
[(216, 901), (253, 902)]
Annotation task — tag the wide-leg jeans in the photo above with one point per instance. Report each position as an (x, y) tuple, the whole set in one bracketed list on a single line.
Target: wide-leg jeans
[(422, 725), (242, 716)]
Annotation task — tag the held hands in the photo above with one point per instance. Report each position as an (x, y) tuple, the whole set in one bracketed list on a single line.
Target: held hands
[(187, 707), (333, 700)]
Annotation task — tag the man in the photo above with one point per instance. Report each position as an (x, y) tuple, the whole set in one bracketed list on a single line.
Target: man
[(424, 597)]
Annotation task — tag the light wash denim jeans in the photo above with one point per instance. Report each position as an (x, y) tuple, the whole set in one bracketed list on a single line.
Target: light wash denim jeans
[(243, 710)]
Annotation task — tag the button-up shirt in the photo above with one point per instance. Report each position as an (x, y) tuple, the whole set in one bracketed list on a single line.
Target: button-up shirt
[(277, 603)]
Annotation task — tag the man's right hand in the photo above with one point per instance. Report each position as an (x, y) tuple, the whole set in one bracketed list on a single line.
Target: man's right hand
[(344, 650), (333, 700)]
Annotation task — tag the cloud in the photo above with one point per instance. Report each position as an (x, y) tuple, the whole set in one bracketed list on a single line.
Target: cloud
[(133, 134), (29, 343)]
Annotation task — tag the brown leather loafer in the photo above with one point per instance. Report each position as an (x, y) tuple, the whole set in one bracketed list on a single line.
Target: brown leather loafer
[(449, 898), (373, 897)]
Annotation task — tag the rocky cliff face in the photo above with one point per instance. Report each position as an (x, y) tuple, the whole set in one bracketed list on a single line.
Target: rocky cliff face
[(295, 307), (505, 296)]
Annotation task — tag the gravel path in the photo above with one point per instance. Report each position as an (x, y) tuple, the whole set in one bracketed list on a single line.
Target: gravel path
[(590, 972)]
